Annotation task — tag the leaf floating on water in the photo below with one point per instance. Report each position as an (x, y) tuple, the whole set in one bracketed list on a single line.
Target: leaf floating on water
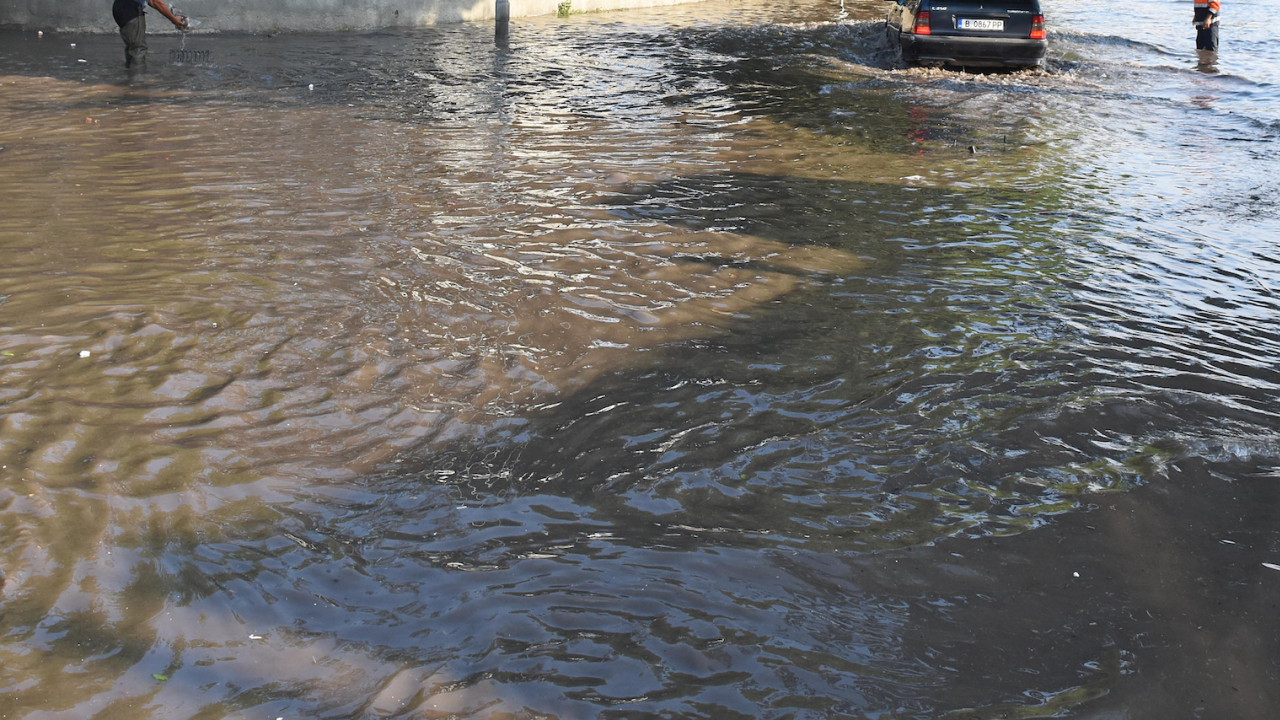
[(159, 676), (1273, 566)]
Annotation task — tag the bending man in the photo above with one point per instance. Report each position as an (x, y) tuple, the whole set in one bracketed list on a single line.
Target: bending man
[(131, 16)]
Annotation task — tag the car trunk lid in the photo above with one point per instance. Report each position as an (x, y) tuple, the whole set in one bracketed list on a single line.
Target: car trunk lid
[(982, 19)]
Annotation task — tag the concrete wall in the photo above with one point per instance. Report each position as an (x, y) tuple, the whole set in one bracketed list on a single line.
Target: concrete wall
[(298, 15)]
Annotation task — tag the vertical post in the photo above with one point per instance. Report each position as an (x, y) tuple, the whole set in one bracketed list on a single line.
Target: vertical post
[(501, 21)]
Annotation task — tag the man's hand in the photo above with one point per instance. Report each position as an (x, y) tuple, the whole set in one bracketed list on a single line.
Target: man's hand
[(1208, 22), (178, 22)]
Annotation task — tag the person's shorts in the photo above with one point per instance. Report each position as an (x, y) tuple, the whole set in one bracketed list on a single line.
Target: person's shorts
[(1207, 38)]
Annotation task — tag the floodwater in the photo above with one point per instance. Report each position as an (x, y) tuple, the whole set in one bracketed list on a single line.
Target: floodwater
[(689, 363)]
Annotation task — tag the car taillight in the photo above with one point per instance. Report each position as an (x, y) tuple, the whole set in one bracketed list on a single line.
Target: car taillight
[(1037, 27), (922, 23)]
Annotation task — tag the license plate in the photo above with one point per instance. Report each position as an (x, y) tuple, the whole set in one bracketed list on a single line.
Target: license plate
[(969, 24)]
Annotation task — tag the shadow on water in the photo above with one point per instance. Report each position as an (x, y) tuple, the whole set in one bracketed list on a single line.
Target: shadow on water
[(819, 468)]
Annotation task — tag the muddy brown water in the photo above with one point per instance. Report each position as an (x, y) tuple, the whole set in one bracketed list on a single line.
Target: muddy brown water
[(693, 363)]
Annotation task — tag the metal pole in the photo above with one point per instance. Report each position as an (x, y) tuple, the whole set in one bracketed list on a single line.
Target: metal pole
[(502, 21)]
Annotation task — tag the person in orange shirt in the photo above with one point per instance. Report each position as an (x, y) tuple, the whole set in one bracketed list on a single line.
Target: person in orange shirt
[(1206, 22)]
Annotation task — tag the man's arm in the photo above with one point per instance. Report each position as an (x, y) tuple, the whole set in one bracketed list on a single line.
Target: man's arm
[(178, 22)]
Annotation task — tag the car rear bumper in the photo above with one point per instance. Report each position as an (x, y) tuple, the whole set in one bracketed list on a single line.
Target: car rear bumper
[(955, 50)]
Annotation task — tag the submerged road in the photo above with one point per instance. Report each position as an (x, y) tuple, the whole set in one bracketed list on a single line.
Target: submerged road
[(699, 362)]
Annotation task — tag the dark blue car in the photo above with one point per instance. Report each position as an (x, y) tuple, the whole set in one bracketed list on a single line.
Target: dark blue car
[(985, 33)]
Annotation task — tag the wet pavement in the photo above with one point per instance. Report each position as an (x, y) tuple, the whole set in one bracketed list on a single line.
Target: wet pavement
[(698, 362)]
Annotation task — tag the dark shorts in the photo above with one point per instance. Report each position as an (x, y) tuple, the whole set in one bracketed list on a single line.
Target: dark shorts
[(1206, 38), (134, 33)]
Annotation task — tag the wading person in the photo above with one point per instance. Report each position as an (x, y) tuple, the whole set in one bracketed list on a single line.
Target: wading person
[(131, 16), (1206, 22)]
